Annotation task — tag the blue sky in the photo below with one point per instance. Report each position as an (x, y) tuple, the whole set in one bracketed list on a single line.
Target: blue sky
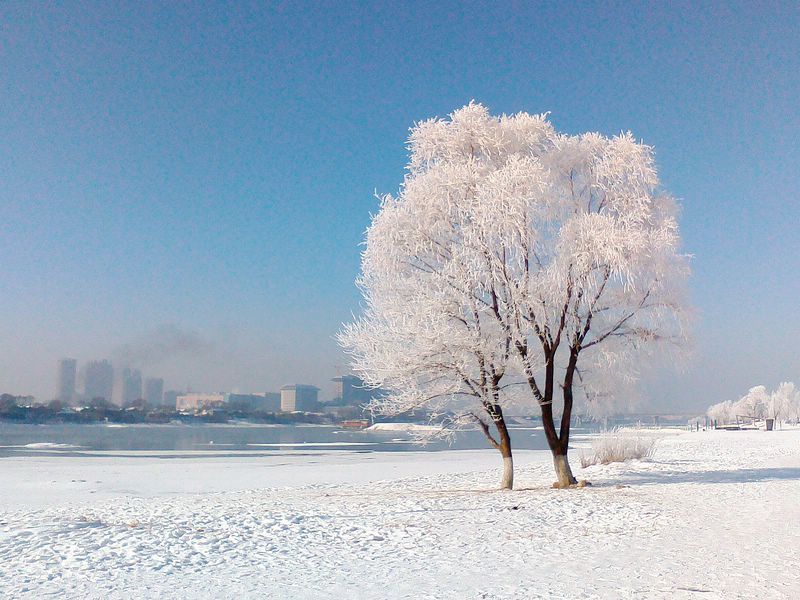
[(212, 167)]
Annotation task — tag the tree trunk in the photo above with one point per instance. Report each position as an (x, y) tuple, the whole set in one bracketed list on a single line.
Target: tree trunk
[(505, 451), (503, 445), (508, 473), (563, 470), (560, 460), (558, 447)]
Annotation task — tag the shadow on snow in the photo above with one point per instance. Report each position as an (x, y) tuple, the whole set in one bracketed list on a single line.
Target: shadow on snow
[(718, 476)]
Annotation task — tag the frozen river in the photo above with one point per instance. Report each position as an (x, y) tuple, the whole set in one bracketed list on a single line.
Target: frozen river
[(28, 440)]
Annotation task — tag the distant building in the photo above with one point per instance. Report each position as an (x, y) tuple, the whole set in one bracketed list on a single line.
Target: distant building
[(299, 397), (99, 380), (352, 391), (67, 368), (154, 391), (171, 398), (195, 402), (131, 386), (264, 402)]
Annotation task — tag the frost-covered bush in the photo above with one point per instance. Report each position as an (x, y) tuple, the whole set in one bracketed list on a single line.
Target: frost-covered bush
[(618, 446)]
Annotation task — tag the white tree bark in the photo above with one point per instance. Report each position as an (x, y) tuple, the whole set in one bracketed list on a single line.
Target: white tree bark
[(563, 471), (508, 473)]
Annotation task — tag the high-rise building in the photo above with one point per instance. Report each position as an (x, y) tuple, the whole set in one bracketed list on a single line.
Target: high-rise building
[(299, 397), (352, 391), (154, 391), (99, 380), (131, 386), (67, 368)]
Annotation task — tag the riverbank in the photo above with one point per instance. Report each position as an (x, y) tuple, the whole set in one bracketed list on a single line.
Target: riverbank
[(713, 513)]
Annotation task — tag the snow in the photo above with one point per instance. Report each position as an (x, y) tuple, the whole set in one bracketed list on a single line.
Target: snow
[(47, 446), (713, 513), (402, 427)]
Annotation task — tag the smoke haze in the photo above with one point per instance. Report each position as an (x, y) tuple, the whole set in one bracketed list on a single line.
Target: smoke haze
[(165, 343)]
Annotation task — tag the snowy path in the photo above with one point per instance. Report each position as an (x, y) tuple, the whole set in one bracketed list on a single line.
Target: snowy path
[(713, 515)]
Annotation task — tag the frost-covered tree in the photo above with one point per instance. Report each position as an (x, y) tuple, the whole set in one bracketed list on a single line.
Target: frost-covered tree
[(517, 258), (758, 403), (792, 395), (430, 334), (784, 402), (753, 404), (722, 412)]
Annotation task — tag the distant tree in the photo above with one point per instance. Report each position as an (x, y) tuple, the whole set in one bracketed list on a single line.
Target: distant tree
[(758, 403), (784, 402), (754, 403), (99, 403), (7, 402), (792, 400), (722, 412), (516, 258)]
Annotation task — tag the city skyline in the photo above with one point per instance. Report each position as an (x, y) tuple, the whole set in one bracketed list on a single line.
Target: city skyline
[(130, 385), (191, 186)]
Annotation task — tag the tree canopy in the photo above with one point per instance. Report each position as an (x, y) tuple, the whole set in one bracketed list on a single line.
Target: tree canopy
[(516, 262)]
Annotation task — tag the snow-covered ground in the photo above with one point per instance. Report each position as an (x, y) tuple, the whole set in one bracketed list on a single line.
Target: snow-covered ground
[(712, 515)]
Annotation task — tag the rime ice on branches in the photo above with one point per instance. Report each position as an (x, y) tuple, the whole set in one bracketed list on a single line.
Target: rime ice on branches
[(516, 265)]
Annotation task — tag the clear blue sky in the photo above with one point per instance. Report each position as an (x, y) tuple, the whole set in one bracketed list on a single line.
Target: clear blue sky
[(212, 167)]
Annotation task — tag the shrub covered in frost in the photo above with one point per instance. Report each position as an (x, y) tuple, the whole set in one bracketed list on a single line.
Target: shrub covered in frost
[(618, 446)]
